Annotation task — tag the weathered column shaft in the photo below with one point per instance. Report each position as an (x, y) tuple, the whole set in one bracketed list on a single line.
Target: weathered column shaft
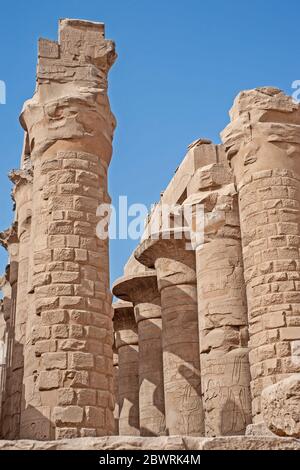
[(272, 263), (141, 289), (175, 267), (151, 394), (22, 194), (128, 352), (222, 306), (263, 148), (10, 410), (68, 375), (181, 360)]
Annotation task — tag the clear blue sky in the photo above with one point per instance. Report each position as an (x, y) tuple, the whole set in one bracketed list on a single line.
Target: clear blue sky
[(181, 62)]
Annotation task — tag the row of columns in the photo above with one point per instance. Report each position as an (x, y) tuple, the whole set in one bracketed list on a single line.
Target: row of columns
[(230, 308), (197, 308)]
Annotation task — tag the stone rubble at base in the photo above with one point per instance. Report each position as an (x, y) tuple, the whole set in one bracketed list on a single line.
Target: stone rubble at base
[(203, 344), (165, 443)]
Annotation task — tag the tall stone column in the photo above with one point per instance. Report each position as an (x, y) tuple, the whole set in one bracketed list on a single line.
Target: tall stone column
[(141, 289), (263, 147), (175, 268), (68, 375), (128, 351), (222, 305), (11, 400), (22, 195)]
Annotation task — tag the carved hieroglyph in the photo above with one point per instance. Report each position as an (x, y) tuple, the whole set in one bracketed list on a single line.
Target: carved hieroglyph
[(63, 284), (263, 147)]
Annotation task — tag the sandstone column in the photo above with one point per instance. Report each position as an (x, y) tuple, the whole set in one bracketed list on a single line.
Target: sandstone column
[(128, 351), (22, 195), (175, 267), (11, 402), (222, 306), (141, 289), (263, 146), (68, 376)]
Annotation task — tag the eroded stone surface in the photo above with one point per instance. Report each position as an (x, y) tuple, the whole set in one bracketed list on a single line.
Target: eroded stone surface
[(281, 407), (157, 443)]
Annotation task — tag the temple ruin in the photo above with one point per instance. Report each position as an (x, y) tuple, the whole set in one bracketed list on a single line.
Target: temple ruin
[(202, 340)]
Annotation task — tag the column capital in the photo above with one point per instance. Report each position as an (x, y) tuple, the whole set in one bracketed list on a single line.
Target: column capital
[(263, 133), (71, 103), (142, 290), (21, 177), (137, 288), (173, 258)]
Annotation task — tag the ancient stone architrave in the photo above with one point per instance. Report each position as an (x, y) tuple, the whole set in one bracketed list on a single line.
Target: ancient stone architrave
[(141, 289), (222, 307), (263, 144), (126, 341), (176, 277)]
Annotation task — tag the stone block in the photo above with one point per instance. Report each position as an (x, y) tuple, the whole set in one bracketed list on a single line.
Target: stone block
[(67, 415), (81, 360), (66, 396), (54, 360), (95, 417), (49, 380), (86, 397)]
